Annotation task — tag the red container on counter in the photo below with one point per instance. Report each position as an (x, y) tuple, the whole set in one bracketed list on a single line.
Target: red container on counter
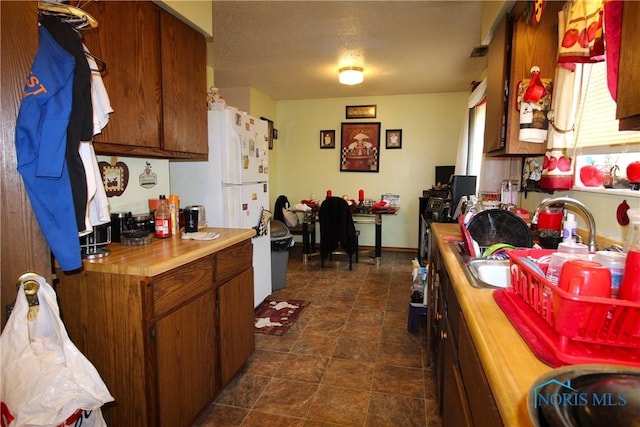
[(550, 220)]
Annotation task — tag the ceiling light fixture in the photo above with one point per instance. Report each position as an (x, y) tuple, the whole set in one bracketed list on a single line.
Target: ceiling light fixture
[(351, 75)]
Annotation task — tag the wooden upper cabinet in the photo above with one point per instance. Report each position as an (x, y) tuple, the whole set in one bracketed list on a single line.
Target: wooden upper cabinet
[(155, 78), (628, 109), (184, 92), (517, 46)]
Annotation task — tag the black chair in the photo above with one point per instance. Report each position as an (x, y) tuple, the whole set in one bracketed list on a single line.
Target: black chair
[(337, 229)]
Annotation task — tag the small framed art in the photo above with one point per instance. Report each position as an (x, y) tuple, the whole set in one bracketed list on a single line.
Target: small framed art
[(360, 112), (394, 138), (327, 139)]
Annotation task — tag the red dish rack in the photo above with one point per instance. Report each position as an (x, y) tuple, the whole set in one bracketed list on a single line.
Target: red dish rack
[(577, 329)]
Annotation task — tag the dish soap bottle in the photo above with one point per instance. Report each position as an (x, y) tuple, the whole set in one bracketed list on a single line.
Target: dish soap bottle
[(569, 228), (163, 218)]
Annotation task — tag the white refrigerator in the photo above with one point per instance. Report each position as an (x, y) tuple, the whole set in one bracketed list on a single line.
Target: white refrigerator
[(232, 185)]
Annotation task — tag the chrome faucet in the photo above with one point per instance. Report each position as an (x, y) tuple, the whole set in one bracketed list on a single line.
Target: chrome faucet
[(591, 223)]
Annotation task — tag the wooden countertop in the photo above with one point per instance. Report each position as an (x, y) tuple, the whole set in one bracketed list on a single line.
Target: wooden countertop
[(164, 254), (511, 368)]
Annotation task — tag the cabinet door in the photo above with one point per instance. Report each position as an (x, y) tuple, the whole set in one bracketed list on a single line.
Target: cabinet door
[(127, 39), (531, 45), (236, 316), (186, 369), (183, 99), (455, 407), (439, 349), (628, 110), (509, 62), (481, 402), (497, 81)]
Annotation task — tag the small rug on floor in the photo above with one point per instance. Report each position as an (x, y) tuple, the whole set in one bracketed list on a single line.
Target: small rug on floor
[(275, 316)]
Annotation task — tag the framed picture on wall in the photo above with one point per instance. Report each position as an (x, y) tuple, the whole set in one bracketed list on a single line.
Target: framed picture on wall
[(360, 111), (327, 139), (360, 147), (270, 132), (394, 138)]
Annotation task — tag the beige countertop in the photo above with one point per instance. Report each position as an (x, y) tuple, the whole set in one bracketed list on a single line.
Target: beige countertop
[(511, 368), (162, 255)]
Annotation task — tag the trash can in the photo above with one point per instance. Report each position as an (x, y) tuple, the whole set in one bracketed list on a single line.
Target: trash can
[(281, 241)]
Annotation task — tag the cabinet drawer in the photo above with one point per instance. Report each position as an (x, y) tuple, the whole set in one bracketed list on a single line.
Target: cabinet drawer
[(173, 289), (232, 261)]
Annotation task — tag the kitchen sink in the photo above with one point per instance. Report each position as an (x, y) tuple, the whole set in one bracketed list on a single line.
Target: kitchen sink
[(483, 273), (493, 272)]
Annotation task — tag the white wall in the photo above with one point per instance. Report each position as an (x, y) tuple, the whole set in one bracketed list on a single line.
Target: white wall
[(430, 126), (135, 197)]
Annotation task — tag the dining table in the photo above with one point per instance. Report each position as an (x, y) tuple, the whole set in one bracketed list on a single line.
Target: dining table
[(360, 216)]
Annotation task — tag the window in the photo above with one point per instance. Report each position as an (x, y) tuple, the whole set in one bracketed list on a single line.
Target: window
[(597, 124), (598, 140)]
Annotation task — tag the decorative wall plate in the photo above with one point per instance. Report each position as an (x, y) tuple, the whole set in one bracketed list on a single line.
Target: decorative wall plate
[(115, 177)]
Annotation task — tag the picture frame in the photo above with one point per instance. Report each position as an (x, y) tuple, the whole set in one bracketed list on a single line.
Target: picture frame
[(360, 147), (327, 139), (270, 132), (393, 139), (361, 111)]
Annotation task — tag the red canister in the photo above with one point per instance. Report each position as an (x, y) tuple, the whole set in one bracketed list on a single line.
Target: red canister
[(550, 219)]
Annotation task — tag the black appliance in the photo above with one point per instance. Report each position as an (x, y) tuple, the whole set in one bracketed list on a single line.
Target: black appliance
[(443, 174), (461, 185), (439, 205)]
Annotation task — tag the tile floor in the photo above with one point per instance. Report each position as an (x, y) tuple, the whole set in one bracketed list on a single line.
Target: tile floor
[(347, 361)]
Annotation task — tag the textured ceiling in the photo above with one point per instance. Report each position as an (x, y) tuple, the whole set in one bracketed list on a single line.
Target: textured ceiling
[(293, 49)]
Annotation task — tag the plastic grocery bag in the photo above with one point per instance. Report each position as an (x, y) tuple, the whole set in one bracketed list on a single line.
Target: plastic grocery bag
[(46, 380)]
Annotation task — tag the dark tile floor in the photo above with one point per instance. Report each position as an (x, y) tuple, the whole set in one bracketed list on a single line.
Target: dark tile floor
[(347, 361)]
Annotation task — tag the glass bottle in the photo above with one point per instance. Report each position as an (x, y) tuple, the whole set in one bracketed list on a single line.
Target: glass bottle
[(163, 218)]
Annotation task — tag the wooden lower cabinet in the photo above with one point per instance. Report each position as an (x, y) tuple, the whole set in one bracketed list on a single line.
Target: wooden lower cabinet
[(464, 394), (237, 340), (186, 385), (455, 408), (482, 405), (165, 345)]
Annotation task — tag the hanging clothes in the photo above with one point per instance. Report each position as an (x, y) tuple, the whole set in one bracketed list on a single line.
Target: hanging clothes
[(80, 126), (98, 204), (41, 137)]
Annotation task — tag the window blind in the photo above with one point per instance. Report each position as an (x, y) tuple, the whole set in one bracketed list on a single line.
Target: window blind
[(596, 123)]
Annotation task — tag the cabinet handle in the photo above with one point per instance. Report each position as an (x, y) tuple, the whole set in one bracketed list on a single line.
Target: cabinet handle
[(443, 335)]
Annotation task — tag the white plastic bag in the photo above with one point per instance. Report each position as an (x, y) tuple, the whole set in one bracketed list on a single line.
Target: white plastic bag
[(45, 380)]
